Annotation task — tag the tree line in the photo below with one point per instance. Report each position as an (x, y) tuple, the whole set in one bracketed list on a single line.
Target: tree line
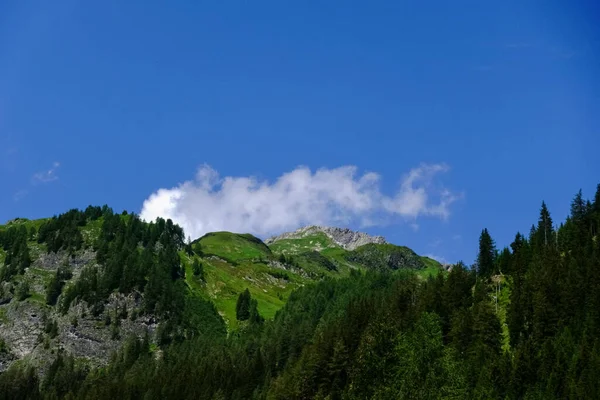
[(389, 334)]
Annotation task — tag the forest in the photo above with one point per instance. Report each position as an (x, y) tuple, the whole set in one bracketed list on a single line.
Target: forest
[(522, 322)]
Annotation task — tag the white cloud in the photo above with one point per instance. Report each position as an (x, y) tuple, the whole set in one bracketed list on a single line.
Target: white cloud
[(46, 176), (336, 196)]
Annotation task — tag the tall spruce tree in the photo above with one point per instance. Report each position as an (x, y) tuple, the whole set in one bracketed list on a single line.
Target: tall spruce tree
[(486, 258), (544, 234), (242, 308)]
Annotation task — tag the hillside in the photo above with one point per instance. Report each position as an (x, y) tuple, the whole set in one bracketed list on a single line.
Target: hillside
[(85, 281), (330, 236), (187, 321)]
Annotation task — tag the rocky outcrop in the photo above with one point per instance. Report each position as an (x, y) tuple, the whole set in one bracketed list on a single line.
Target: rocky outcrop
[(30, 329), (343, 237), (24, 330)]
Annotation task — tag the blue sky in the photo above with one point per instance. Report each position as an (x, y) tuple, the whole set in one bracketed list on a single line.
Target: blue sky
[(492, 108)]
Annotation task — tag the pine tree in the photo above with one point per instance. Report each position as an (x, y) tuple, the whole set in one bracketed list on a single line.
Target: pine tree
[(544, 234), (486, 259), (254, 316), (578, 207), (596, 212), (22, 291), (580, 213), (198, 269), (242, 308)]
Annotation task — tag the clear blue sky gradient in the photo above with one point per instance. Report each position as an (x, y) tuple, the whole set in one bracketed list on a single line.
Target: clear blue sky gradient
[(133, 96)]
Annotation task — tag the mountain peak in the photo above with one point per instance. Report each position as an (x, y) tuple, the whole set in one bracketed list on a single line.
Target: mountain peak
[(343, 237)]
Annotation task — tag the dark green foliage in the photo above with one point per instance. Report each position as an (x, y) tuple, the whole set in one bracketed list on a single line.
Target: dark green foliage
[(383, 334), (62, 232), (242, 307), (385, 257), (51, 328), (63, 377), (32, 233), (54, 288), (85, 287), (279, 275), (486, 258), (198, 269), (14, 242), (424, 369), (254, 316), (544, 235), (19, 383), (315, 259), (134, 256), (22, 291)]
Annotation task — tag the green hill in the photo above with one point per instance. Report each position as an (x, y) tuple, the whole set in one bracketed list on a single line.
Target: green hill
[(97, 277), (233, 262), (100, 305), (232, 247), (315, 242), (385, 256)]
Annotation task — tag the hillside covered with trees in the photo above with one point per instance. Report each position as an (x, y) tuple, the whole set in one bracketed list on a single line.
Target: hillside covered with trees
[(522, 322)]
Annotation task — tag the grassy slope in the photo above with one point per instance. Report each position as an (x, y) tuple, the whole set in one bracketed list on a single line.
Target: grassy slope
[(234, 262), (233, 247), (318, 242), (432, 267)]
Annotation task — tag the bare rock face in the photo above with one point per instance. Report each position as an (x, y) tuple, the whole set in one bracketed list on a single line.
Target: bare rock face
[(30, 329), (343, 237), (24, 334)]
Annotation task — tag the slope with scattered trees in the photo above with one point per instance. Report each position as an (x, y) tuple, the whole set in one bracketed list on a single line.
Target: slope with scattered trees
[(521, 323)]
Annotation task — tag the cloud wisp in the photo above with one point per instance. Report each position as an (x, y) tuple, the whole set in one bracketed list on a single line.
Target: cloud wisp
[(20, 195), (338, 196), (46, 176), (439, 259)]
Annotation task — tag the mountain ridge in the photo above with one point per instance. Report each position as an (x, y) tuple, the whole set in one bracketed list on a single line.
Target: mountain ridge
[(343, 237), (86, 281)]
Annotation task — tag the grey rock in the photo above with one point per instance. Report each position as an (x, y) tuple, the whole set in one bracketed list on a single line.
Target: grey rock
[(80, 333), (343, 237)]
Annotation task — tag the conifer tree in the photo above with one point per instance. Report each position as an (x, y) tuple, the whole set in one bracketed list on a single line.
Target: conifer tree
[(242, 308), (254, 316), (486, 258), (544, 234), (198, 269)]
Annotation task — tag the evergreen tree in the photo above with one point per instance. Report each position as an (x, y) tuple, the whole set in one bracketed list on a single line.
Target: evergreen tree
[(242, 307), (254, 316), (486, 258), (55, 286), (22, 291), (544, 234), (198, 269)]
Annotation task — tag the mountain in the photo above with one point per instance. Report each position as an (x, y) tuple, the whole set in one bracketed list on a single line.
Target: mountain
[(85, 281), (344, 238), (231, 317)]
